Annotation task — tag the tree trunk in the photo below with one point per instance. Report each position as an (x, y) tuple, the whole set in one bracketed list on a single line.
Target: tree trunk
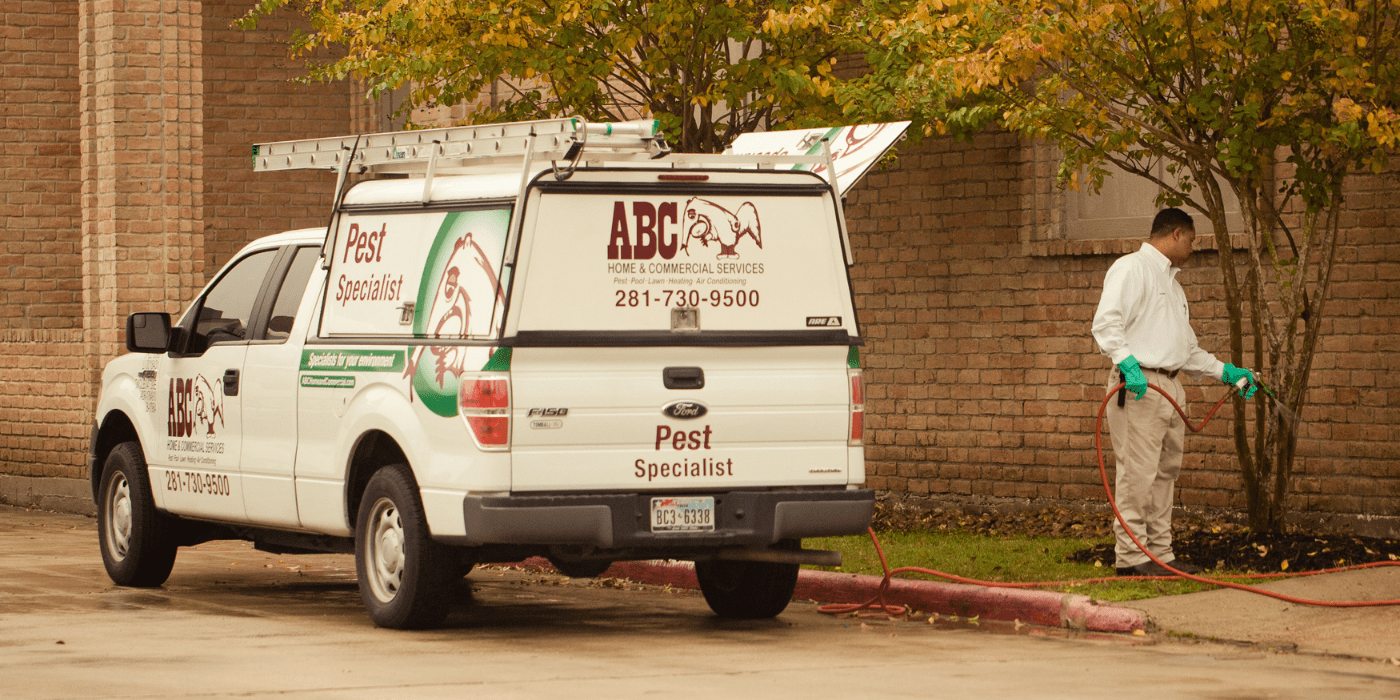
[(1283, 353)]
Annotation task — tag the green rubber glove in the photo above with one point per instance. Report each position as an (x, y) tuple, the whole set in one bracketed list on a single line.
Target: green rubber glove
[(1132, 376), (1233, 374)]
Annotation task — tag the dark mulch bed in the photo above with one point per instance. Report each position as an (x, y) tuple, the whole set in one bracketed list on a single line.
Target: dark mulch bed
[(1214, 545)]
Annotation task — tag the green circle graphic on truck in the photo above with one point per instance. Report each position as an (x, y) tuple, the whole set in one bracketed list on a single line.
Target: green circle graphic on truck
[(457, 298)]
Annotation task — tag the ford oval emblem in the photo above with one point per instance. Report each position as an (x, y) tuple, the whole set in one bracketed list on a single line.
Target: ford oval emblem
[(685, 410)]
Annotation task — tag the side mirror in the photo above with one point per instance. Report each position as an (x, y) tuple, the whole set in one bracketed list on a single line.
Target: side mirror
[(148, 332)]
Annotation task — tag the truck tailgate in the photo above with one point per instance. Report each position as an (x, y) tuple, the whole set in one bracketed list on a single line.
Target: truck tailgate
[(595, 418)]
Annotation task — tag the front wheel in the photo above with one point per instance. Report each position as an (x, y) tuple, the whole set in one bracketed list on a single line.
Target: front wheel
[(746, 590), (138, 547), (404, 575)]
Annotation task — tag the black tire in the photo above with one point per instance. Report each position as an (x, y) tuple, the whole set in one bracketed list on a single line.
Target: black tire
[(463, 564), (137, 541), (404, 575), (587, 568), (746, 590)]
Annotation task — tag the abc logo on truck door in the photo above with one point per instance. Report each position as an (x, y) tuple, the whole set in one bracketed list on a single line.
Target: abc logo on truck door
[(196, 407)]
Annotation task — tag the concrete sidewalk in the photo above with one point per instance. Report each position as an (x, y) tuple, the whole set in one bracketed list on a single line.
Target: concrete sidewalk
[(1237, 616)]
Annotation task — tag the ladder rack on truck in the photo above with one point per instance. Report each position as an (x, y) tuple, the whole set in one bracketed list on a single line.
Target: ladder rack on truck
[(502, 148), (496, 147)]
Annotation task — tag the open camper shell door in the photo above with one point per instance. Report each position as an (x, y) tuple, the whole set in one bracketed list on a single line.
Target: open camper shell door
[(854, 149)]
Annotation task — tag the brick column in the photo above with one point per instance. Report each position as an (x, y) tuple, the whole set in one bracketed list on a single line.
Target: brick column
[(142, 162)]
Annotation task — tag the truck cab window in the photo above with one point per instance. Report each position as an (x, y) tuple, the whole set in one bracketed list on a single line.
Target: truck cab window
[(284, 310), (226, 310)]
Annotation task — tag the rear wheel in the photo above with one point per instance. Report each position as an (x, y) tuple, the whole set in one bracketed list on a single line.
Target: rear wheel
[(404, 575), (746, 589), (462, 565), (138, 547)]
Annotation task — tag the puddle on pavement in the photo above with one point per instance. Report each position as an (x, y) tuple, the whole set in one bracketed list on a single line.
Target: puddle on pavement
[(121, 599), (918, 622)]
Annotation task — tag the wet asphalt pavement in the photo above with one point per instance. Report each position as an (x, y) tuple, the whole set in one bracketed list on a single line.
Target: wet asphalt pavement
[(234, 622)]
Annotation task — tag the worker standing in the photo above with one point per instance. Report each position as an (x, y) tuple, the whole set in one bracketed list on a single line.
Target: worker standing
[(1143, 326)]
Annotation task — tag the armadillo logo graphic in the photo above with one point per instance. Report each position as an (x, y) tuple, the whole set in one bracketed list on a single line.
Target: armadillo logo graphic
[(457, 298), (708, 222), (195, 402)]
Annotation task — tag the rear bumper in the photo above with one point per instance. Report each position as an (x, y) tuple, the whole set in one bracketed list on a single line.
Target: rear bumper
[(622, 521)]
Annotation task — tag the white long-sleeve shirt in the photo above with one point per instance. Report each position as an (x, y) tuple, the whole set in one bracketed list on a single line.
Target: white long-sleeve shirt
[(1143, 313)]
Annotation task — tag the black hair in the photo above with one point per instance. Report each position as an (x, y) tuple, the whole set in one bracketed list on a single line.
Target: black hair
[(1169, 220)]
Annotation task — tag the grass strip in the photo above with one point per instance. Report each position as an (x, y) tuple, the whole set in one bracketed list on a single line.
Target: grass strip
[(1000, 558)]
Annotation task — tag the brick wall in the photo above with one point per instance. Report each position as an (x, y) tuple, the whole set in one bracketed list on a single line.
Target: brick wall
[(142, 162), (43, 362), (983, 377), (251, 95), (1353, 429), (40, 219), (45, 402), (127, 179)]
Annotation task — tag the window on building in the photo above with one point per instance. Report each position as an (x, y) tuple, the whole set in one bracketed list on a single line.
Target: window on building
[(1125, 205)]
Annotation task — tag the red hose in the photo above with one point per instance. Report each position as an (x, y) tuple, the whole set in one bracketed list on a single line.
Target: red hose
[(878, 602)]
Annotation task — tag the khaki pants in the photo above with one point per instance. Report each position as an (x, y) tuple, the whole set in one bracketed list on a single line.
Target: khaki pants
[(1147, 438)]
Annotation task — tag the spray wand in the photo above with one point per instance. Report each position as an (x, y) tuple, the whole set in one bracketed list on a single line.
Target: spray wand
[(1284, 413)]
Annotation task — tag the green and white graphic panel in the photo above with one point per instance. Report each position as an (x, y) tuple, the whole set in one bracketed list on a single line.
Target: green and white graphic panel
[(426, 275), (317, 366)]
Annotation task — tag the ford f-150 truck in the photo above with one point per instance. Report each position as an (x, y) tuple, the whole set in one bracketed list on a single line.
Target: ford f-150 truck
[(548, 338)]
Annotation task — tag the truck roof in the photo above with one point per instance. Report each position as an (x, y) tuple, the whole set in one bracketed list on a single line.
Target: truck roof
[(303, 235), (445, 188)]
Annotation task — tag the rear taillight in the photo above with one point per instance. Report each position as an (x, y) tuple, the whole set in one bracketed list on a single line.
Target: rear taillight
[(857, 406), (483, 399)]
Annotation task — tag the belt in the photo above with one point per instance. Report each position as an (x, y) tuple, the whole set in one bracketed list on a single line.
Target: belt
[(1170, 374), (1122, 393)]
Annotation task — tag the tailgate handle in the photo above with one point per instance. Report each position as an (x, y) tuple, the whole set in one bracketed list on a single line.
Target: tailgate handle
[(683, 378)]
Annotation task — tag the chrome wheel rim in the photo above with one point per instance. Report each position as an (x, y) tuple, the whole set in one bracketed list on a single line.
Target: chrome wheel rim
[(118, 516), (385, 550)]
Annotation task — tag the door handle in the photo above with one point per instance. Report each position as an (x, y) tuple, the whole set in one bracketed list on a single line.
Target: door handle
[(231, 382), (683, 378)]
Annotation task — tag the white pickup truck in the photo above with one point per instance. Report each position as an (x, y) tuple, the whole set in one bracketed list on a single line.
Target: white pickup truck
[(545, 338)]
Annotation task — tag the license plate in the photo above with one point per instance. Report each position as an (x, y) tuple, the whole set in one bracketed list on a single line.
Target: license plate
[(683, 514)]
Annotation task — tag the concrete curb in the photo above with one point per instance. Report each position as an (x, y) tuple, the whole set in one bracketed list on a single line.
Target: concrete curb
[(1037, 607)]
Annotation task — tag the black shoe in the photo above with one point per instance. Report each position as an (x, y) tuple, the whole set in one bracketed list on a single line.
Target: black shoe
[(1147, 568), (1183, 567)]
